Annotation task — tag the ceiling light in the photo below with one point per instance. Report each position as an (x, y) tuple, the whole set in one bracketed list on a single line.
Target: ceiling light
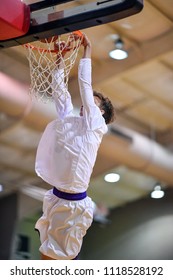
[(118, 53), (112, 177), (157, 192)]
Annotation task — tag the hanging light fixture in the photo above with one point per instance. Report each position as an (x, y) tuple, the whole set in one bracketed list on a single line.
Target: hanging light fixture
[(157, 192), (118, 53)]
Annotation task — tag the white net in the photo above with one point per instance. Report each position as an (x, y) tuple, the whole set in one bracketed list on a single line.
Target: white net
[(44, 59)]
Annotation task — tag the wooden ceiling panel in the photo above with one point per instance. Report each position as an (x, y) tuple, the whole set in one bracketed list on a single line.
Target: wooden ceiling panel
[(136, 180), (18, 158), (121, 93), (21, 136), (12, 60), (144, 26), (166, 7), (9, 174), (168, 59), (154, 114), (155, 79), (8, 155), (131, 186)]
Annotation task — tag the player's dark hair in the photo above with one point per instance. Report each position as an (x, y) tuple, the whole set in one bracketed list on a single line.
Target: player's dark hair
[(106, 105)]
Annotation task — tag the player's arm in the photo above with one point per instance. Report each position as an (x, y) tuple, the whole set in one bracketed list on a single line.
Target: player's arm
[(85, 77), (60, 93), (87, 47)]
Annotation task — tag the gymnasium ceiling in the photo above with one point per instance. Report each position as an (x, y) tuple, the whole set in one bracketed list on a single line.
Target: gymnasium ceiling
[(141, 88)]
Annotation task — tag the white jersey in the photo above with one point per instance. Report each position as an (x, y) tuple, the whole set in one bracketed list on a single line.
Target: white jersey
[(68, 148)]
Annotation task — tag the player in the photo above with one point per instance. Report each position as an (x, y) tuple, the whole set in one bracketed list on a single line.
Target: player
[(65, 159)]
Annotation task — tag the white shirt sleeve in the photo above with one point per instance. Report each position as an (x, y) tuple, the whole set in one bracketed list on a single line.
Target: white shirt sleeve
[(85, 86), (61, 95), (92, 113)]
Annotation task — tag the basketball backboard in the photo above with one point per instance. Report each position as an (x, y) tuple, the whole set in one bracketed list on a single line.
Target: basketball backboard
[(56, 17)]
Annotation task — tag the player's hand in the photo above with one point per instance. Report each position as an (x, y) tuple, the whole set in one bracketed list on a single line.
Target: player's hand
[(85, 41)]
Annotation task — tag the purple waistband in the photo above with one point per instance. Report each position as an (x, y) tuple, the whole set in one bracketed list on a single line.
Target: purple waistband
[(69, 196)]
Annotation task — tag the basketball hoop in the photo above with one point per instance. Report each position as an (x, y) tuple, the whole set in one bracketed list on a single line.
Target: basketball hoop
[(44, 57)]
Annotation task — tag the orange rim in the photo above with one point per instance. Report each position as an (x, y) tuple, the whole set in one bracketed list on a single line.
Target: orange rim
[(28, 45), (78, 32)]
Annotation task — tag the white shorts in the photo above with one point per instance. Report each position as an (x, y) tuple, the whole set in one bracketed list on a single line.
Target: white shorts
[(63, 226)]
